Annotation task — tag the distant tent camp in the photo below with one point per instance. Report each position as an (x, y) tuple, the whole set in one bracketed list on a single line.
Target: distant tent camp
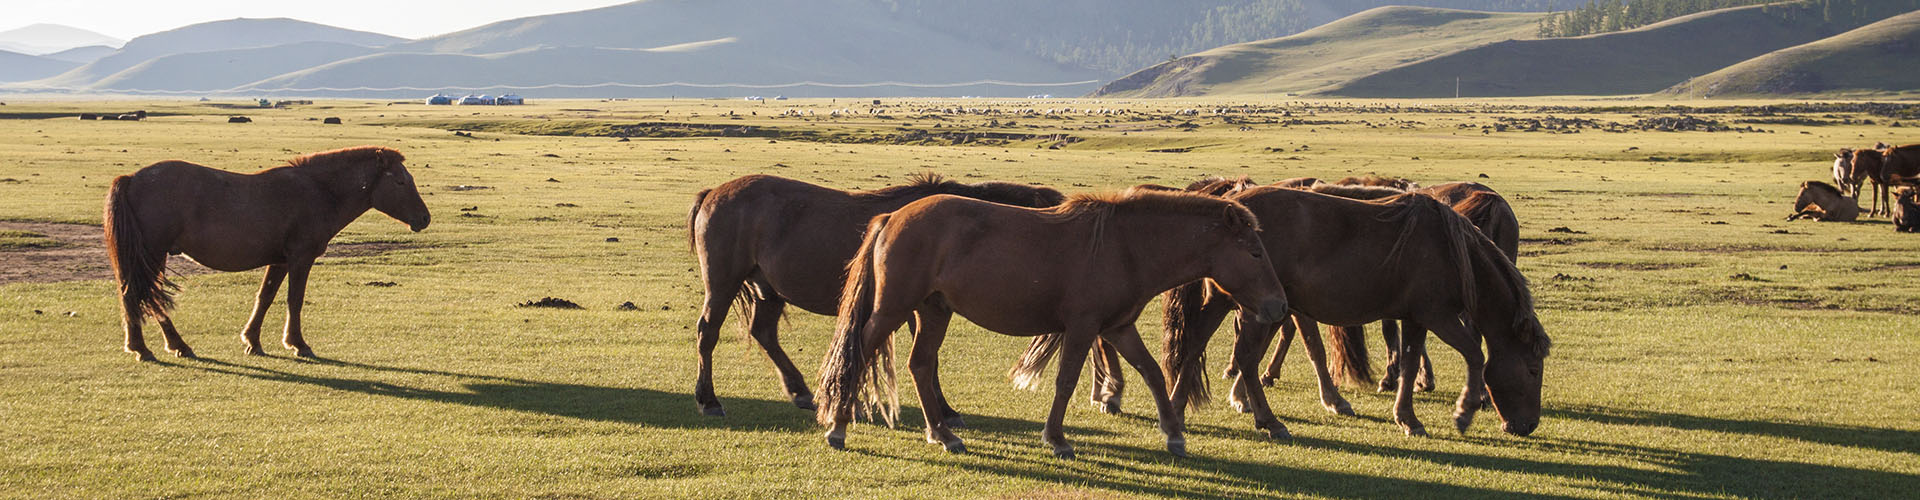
[(510, 100), (472, 100), (440, 100)]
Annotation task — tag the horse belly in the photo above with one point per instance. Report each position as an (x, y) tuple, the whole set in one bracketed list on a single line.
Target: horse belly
[(228, 254), (1010, 311)]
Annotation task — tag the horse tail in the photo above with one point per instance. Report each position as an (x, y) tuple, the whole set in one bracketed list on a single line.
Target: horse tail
[(1026, 373), (844, 371), (144, 287), (1347, 357), (1186, 348), (693, 215)]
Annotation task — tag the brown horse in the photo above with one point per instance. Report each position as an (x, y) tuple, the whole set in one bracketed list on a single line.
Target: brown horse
[(280, 218), (1348, 262), (1082, 270), (1906, 210), (1843, 173), (1887, 167), (767, 241), (1823, 202)]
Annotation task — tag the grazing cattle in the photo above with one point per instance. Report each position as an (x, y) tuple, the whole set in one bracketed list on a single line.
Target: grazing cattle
[(1822, 202), (1075, 272), (765, 242), (280, 218)]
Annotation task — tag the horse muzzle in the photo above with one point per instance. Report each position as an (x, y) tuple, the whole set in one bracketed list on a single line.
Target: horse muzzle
[(1521, 429), (1272, 311), (421, 224)]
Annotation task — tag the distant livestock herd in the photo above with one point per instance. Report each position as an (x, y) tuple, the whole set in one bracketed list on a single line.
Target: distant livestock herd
[(1894, 174)]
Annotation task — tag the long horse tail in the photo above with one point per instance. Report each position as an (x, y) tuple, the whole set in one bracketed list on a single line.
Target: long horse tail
[(144, 287), (844, 372), (1027, 372), (693, 215), (1347, 358), (1186, 347)]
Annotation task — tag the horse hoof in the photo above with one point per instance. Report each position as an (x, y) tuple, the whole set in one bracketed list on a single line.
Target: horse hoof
[(1107, 407), (1267, 381), (804, 402), (955, 447), (1462, 421), (1423, 387), (184, 352), (1239, 406), (1178, 447), (143, 356), (302, 352), (1386, 385), (1278, 431), (1416, 431), (1063, 452), (1342, 408), (713, 411), (837, 441), (954, 422), (256, 351)]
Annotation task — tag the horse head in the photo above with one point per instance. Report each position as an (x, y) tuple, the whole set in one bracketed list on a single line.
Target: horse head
[(394, 193), (1515, 360)]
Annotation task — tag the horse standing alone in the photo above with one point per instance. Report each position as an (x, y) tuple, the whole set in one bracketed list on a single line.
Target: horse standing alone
[(280, 218)]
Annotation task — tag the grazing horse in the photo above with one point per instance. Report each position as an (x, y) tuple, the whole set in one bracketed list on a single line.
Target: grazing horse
[(1348, 262), (1906, 210), (767, 241), (280, 218), (1494, 217), (1823, 202), (1081, 270)]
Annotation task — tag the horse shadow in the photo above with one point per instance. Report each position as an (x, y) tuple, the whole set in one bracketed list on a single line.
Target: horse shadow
[(627, 405)]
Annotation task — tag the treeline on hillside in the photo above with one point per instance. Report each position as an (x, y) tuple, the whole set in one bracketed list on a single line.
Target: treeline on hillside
[(1121, 36), (1607, 16)]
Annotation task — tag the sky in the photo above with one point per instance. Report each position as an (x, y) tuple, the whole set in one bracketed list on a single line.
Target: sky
[(126, 19)]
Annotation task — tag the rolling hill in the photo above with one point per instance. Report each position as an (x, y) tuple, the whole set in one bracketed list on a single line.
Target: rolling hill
[(1866, 61), (1344, 50), (222, 69), (17, 67), (1638, 61), (218, 35), (82, 55), (42, 39)]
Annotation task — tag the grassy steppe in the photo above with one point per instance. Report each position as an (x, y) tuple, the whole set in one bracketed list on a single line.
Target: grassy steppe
[(1704, 348)]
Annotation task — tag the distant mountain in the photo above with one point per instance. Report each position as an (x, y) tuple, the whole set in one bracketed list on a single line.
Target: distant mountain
[(38, 39), (1865, 61), (223, 69), (17, 67), (1643, 60), (217, 35), (746, 45), (82, 55), (1335, 53)]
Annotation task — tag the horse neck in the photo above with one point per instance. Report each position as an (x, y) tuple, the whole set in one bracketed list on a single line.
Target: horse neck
[(1159, 261), (346, 185)]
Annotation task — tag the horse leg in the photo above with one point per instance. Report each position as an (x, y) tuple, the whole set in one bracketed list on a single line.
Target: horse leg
[(1212, 313), (877, 335), (1249, 346), (1424, 381), (1317, 353), (936, 315), (1390, 335), (175, 344), (765, 327), (296, 295), (1125, 341), (1465, 341), (1279, 354), (720, 296), (131, 318), (1108, 380), (924, 362), (1410, 348), (1073, 356), (269, 287)]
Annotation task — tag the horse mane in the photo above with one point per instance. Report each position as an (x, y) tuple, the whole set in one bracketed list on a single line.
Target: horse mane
[(1821, 186), (926, 184), (1220, 186), (1356, 191), (1101, 206), (355, 154), (1378, 181)]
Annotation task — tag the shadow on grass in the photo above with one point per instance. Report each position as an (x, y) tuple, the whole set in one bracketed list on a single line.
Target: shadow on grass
[(1888, 440), (587, 402)]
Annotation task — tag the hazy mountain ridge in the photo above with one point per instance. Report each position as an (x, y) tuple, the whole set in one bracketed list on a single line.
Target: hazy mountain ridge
[(1859, 62)]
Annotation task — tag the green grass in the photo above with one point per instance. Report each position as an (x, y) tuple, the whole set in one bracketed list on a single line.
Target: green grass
[(24, 240), (1692, 359)]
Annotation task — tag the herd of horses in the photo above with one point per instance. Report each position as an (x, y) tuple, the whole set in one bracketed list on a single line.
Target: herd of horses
[(1887, 167), (1072, 272)]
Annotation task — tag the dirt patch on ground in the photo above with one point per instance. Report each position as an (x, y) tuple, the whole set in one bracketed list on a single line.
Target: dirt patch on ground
[(1637, 266), (1896, 266), (79, 256)]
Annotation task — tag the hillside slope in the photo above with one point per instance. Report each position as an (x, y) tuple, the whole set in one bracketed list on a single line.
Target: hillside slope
[(223, 69), (218, 35), (1873, 59), (1350, 48), (1639, 61), (17, 67), (42, 39)]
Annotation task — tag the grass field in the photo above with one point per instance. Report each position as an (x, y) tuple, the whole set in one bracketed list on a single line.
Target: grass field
[(1704, 348)]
